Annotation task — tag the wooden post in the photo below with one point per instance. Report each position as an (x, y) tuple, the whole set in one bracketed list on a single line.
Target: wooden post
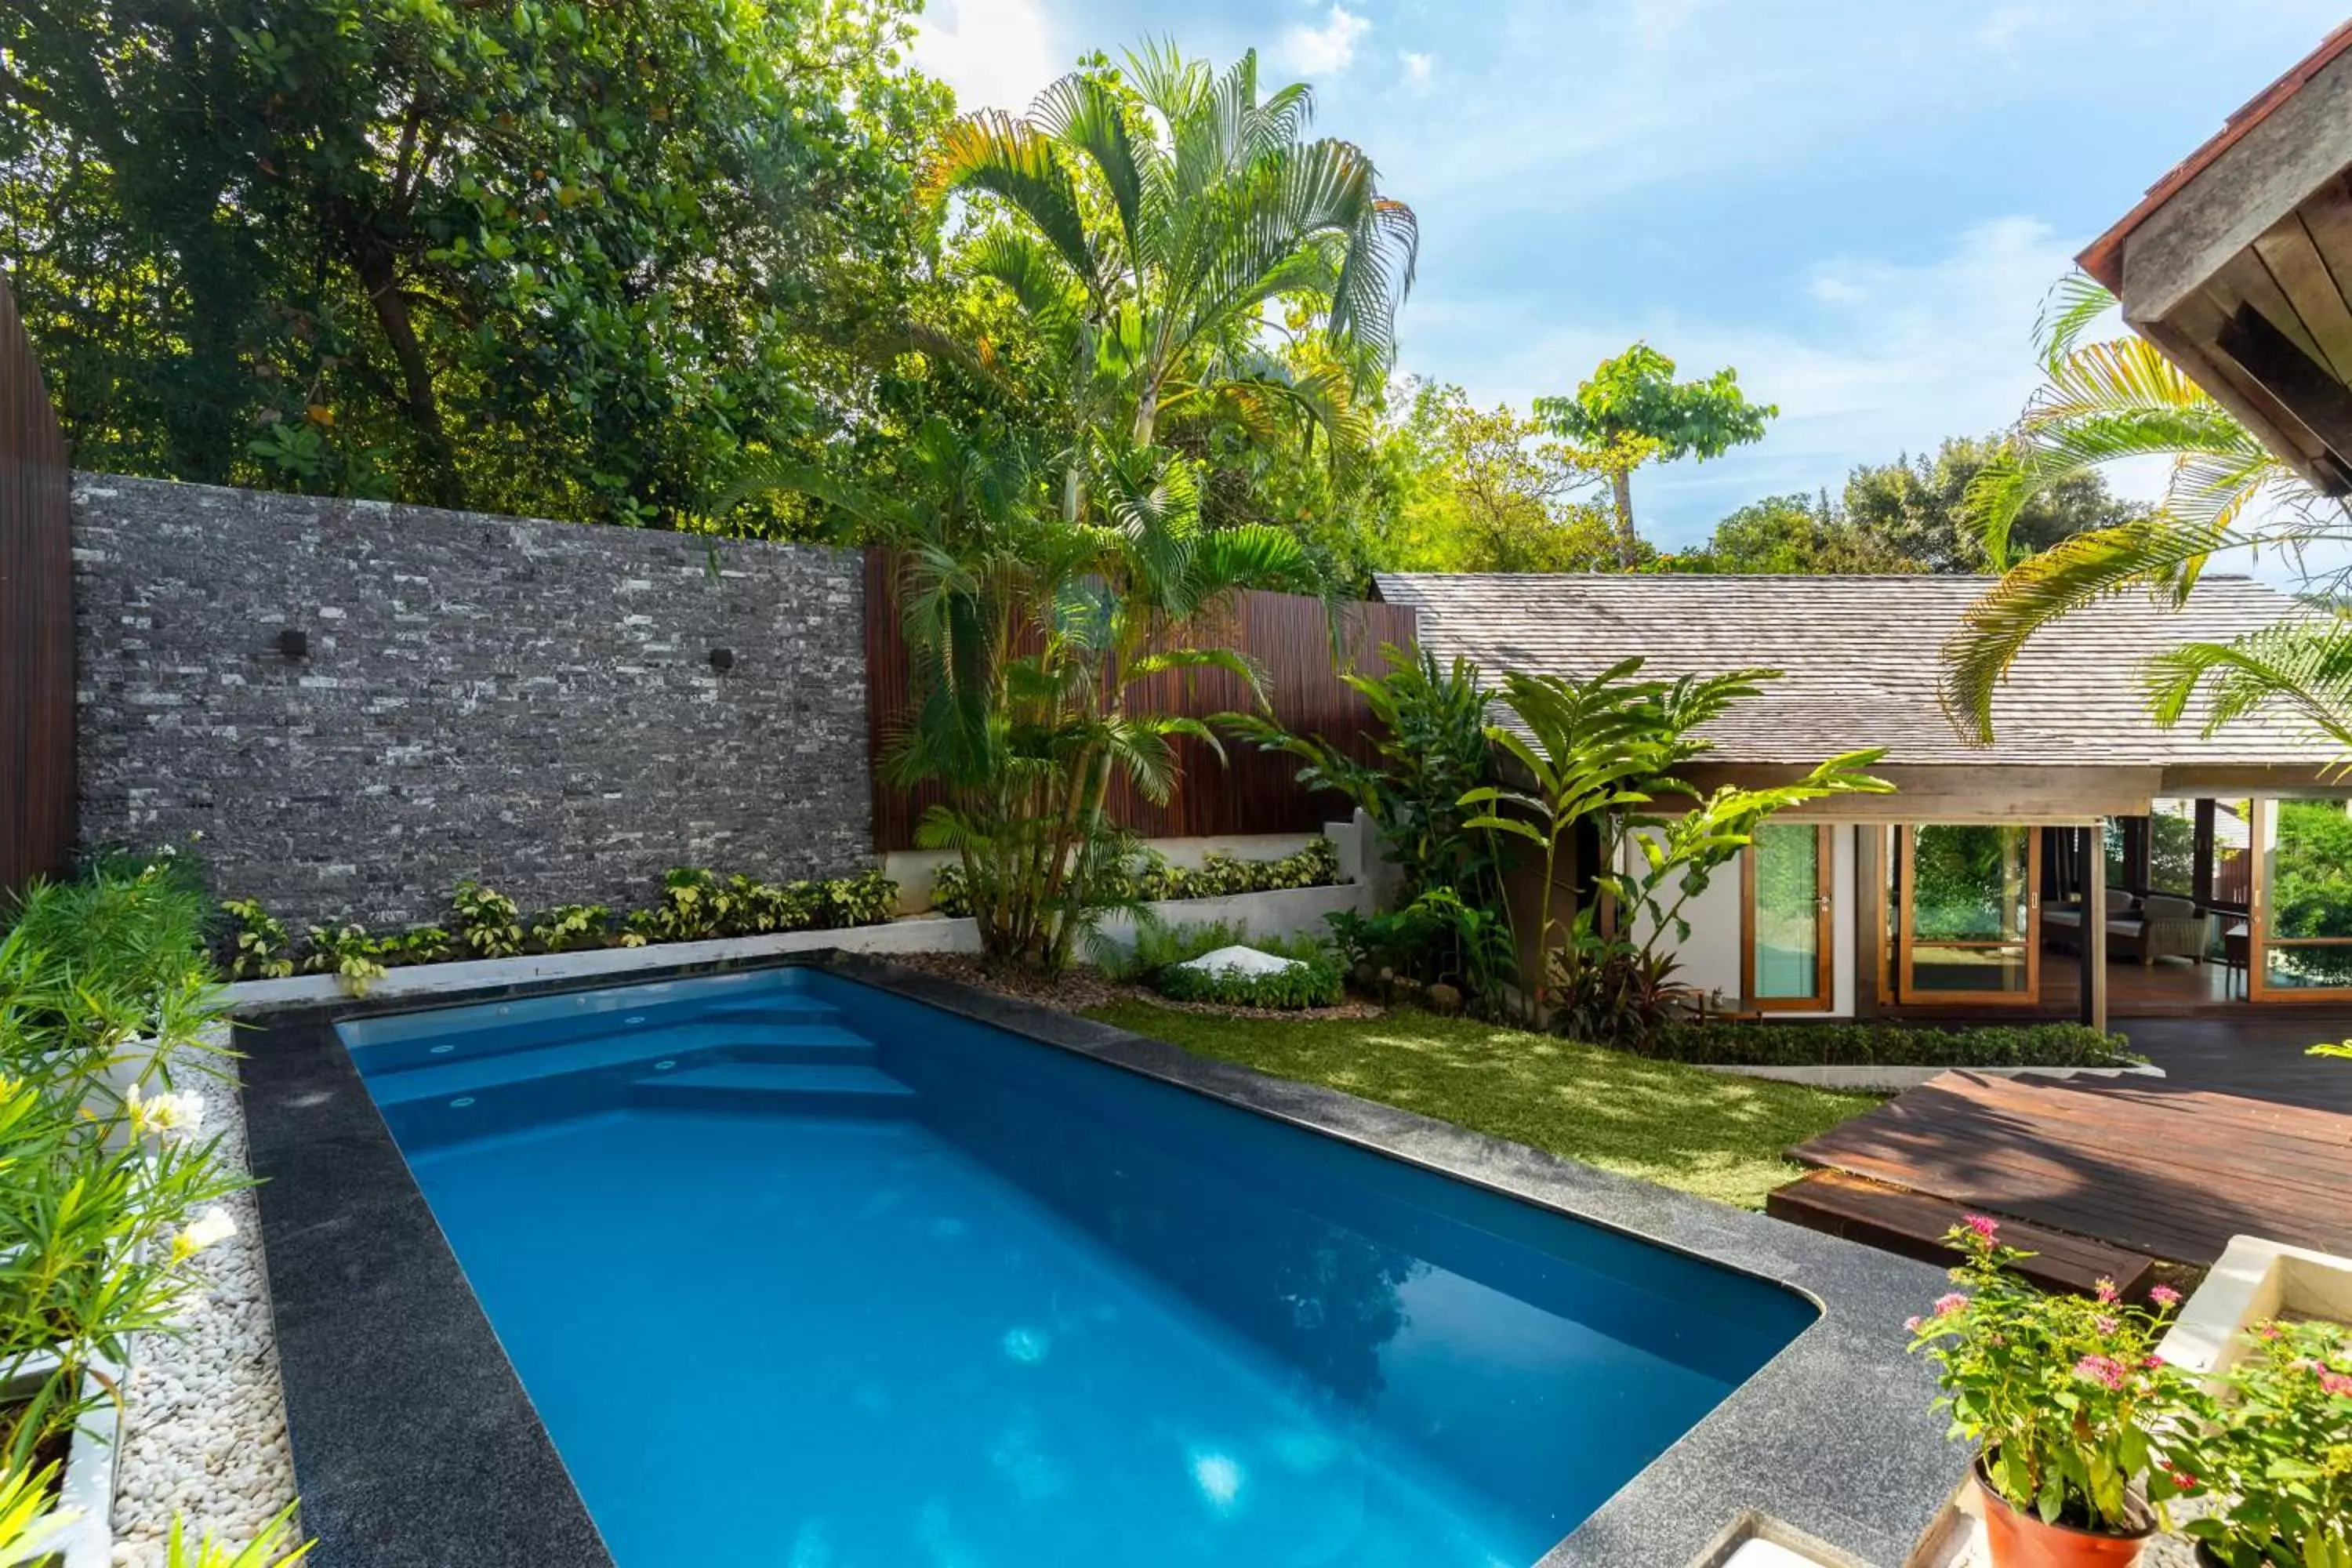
[(2095, 927), (1868, 893)]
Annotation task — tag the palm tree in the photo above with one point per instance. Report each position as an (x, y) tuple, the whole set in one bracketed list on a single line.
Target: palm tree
[(1158, 213), (2110, 401)]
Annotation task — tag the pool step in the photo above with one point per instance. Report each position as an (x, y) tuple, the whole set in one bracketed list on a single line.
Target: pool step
[(414, 1045), (695, 1044), (849, 1087)]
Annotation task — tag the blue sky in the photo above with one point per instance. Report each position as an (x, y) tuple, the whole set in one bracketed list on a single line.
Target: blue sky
[(1859, 205)]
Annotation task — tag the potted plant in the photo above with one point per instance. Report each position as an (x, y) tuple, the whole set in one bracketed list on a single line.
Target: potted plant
[(2272, 1437), (2064, 1397)]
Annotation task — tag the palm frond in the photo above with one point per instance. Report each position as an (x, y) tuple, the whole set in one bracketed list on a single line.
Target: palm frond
[(2074, 303), (2304, 665), (995, 153)]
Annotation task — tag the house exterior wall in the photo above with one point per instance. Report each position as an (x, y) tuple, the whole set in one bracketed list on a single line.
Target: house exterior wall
[(533, 704), (1711, 955)]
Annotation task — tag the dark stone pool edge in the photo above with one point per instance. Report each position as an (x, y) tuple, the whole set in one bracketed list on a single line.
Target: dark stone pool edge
[(414, 1445)]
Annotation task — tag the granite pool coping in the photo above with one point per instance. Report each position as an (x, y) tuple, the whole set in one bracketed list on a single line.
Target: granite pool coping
[(415, 1445)]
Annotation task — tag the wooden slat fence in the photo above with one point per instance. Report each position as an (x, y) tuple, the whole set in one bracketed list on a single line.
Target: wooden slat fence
[(37, 673), (1290, 637)]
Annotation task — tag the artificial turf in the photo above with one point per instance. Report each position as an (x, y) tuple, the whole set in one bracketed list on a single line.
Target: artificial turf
[(1719, 1136)]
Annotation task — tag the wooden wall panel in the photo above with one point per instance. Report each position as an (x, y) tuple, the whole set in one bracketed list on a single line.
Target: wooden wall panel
[(37, 673), (1288, 635)]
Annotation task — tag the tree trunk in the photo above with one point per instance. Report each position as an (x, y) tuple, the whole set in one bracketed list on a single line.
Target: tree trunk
[(1628, 543), (440, 484)]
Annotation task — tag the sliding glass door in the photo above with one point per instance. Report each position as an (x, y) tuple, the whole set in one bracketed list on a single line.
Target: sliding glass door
[(2302, 901), (1785, 957), (1967, 913)]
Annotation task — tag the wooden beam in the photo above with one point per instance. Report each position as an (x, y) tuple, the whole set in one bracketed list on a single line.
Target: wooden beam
[(1869, 893), (2095, 931), (2264, 175), (2246, 279), (2291, 254), (2304, 387)]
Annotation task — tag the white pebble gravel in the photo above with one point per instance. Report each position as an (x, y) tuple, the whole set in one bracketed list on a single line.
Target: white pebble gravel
[(207, 1415)]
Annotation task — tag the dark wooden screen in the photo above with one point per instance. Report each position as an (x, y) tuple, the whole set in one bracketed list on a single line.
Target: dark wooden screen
[(37, 675), (1288, 635)]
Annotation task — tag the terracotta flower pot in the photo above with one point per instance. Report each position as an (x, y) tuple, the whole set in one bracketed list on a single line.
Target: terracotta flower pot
[(2020, 1540)]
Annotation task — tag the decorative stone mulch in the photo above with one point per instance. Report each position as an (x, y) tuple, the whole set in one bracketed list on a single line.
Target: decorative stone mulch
[(207, 1416), (1083, 987)]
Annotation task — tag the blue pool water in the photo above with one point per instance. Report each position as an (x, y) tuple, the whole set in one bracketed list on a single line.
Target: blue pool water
[(801, 1273)]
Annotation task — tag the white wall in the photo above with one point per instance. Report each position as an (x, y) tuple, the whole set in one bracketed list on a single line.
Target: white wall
[(1710, 957)]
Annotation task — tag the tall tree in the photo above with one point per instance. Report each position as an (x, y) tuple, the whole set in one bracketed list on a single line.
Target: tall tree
[(564, 259), (1486, 491), (1632, 411), (1917, 507), (1794, 535), (1157, 212)]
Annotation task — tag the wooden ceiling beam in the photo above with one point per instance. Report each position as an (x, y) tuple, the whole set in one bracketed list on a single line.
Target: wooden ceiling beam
[(2305, 389)]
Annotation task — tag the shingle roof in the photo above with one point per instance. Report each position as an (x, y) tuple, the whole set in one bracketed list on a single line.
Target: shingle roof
[(1859, 657)]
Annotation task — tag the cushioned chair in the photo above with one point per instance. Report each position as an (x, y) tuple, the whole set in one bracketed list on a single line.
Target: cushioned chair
[(2162, 927)]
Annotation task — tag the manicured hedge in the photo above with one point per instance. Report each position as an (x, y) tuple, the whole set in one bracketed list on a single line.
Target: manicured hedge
[(1890, 1045)]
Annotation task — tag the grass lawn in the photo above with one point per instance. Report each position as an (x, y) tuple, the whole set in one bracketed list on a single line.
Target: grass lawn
[(1719, 1136)]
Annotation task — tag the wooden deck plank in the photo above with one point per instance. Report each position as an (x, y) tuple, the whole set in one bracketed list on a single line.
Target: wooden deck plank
[(1915, 1225), (2173, 1173)]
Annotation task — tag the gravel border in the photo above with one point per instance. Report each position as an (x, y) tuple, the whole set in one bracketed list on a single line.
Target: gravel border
[(207, 1416)]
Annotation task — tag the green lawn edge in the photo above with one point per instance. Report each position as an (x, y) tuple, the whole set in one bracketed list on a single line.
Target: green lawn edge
[(1712, 1134)]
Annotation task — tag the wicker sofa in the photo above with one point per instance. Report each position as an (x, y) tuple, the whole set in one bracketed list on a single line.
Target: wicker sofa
[(2141, 930)]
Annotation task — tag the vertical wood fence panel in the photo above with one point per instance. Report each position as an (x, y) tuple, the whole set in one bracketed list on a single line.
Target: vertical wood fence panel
[(1290, 637), (37, 672)]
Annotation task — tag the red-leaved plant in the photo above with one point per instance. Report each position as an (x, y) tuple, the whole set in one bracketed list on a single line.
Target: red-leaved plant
[(2061, 1395)]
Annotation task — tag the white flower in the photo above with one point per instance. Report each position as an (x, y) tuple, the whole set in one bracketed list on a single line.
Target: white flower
[(180, 1114), (209, 1228)]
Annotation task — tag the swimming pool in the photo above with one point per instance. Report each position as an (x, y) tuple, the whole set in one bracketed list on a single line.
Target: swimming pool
[(803, 1272)]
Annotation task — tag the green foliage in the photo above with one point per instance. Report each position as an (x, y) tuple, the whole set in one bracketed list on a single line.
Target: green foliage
[(2311, 887), (260, 946), (1918, 508), (1793, 535), (2276, 1447), (103, 983), (568, 926), (1682, 1127), (1605, 751), (1436, 938), (30, 1528), (1311, 982), (487, 923), (1889, 1045), (1632, 411), (1144, 876), (563, 260), (2064, 1397), (418, 945), (348, 953), (1473, 490)]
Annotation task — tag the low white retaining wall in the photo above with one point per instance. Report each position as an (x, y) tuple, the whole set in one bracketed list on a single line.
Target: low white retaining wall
[(1896, 1080), (1286, 912), (2255, 1281)]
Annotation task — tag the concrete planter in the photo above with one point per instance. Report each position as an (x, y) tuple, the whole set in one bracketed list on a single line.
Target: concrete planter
[(1284, 912), (1888, 1079), (2255, 1281), (86, 1487)]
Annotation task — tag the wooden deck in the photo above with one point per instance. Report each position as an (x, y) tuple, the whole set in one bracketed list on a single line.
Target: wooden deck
[(2168, 1170), (1915, 1225)]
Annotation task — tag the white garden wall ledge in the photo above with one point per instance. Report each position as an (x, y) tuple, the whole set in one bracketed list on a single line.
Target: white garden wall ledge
[(1890, 1079), (1287, 911), (2255, 1281)]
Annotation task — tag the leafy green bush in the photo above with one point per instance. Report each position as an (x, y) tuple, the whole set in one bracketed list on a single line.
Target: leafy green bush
[(260, 946), (1890, 1045), (1148, 878), (1311, 982), (350, 953), (568, 926), (487, 924)]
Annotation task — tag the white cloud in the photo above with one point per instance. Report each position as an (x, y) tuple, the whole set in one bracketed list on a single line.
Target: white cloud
[(995, 53), (1866, 358), (1417, 67), (1327, 51)]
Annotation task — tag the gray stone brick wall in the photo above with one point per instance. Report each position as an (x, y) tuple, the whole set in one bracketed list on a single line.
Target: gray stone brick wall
[(532, 703)]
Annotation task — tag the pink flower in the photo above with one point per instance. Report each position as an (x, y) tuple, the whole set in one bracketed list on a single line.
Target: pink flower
[(2164, 1296), (2107, 1291), (2152, 1363), (2337, 1383), (1947, 1305), (2272, 1331), (1983, 1225), (1911, 1325), (2183, 1480), (2106, 1325), (2105, 1371)]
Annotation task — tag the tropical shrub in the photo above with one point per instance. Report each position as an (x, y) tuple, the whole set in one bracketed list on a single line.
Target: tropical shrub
[(2276, 1447), (568, 926), (1310, 982), (2064, 1397), (1604, 752), (485, 921), (1889, 1045), (1146, 877), (29, 1529), (1161, 948), (1436, 939), (259, 945), (348, 953)]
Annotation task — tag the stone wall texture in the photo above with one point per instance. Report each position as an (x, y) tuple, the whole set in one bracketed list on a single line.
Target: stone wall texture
[(359, 704)]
